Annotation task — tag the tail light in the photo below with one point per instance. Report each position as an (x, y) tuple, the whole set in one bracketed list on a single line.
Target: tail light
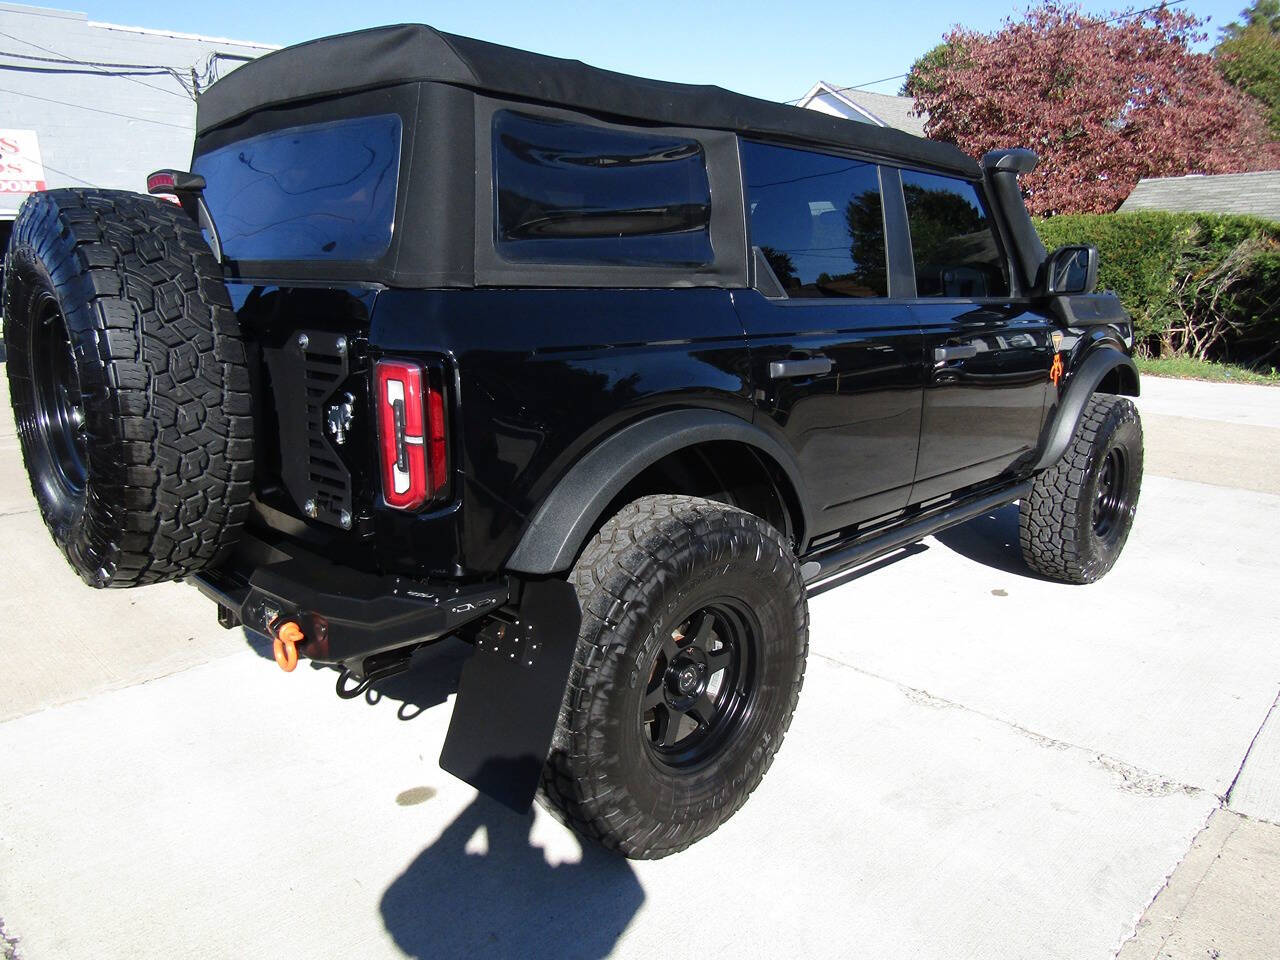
[(411, 433)]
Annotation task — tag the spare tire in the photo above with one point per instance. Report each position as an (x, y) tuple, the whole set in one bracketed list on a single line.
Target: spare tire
[(129, 385)]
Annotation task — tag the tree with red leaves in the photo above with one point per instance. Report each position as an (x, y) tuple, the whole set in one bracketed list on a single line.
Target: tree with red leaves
[(1104, 101)]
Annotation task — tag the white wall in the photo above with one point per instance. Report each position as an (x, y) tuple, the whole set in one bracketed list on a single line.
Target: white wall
[(94, 128)]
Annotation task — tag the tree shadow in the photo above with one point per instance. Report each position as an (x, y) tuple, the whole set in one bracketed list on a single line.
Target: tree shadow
[(991, 540), (432, 676), (502, 898)]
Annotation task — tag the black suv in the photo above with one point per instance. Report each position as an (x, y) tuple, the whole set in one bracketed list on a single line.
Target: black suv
[(440, 338)]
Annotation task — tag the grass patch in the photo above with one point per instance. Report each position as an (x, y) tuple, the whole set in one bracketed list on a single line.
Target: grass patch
[(1187, 368)]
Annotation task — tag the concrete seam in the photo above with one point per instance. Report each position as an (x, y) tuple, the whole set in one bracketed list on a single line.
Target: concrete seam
[(1135, 779), (1191, 897), (117, 687), (1168, 878), (1226, 797)]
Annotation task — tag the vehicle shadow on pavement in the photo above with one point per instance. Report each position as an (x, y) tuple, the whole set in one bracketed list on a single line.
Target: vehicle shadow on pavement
[(992, 540), (501, 898), (431, 678)]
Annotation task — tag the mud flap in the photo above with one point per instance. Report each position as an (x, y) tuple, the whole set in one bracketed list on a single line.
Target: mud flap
[(510, 693)]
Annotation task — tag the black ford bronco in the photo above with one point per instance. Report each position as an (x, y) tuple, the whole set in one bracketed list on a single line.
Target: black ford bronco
[(597, 373)]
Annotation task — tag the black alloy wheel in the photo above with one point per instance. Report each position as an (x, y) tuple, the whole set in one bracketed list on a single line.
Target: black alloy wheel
[(1110, 502), (58, 405), (701, 684)]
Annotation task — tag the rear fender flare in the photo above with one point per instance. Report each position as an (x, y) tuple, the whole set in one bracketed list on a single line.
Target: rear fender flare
[(1081, 385), (566, 518)]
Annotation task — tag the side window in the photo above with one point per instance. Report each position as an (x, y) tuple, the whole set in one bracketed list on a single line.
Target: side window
[(953, 240), (574, 193), (818, 220)]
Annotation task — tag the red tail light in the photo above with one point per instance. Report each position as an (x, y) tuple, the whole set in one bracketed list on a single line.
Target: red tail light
[(411, 433)]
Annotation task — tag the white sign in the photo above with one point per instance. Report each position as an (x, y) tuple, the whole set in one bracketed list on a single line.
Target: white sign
[(21, 170)]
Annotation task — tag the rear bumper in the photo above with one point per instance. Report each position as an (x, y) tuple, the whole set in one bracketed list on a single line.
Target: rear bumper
[(511, 687), (345, 615)]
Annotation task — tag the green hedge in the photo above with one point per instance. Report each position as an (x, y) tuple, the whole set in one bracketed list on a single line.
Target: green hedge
[(1197, 284)]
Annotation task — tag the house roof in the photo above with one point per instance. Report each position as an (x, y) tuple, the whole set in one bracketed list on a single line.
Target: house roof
[(1251, 193), (882, 109), (384, 56)]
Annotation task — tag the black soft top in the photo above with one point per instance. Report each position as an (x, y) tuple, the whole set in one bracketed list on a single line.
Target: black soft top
[(384, 56)]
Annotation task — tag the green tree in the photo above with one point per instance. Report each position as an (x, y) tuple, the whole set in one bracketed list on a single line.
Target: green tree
[(1249, 57), (921, 78)]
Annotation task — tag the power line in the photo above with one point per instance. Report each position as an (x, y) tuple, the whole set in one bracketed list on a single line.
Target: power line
[(109, 113), (87, 183), (160, 67), (1002, 53), (185, 95)]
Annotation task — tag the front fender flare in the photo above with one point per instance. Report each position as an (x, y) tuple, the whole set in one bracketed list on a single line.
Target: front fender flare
[(1080, 387), (565, 519)]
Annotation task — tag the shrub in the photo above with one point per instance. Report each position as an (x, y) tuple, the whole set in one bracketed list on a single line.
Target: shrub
[(1202, 285)]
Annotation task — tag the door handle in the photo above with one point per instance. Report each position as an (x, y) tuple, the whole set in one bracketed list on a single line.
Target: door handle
[(808, 367), (959, 352)]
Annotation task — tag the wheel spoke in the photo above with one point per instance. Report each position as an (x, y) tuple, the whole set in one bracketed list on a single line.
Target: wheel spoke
[(667, 729), (654, 697), (672, 644), (717, 660), (706, 629), (704, 710)]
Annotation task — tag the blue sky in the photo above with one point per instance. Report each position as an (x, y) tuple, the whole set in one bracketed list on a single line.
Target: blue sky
[(775, 50)]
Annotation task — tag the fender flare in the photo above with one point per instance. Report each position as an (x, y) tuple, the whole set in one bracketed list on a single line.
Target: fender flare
[(1083, 382), (565, 518)]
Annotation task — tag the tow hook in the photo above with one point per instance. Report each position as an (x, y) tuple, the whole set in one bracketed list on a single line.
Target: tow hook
[(285, 638)]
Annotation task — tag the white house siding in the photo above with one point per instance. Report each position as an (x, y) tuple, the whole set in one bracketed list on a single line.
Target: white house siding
[(96, 128)]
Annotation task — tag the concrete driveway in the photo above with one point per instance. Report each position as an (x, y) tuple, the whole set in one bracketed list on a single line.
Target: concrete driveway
[(983, 764)]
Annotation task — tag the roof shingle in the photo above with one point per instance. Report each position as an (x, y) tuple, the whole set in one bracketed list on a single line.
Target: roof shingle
[(1257, 194)]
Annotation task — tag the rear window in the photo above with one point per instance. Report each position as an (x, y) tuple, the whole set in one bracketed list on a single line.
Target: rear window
[(324, 191), (573, 193)]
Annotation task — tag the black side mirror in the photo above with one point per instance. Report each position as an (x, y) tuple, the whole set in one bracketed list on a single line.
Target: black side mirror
[(1069, 271)]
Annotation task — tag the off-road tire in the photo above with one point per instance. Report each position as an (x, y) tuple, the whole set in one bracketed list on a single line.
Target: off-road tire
[(157, 482), (1058, 523), (659, 557)]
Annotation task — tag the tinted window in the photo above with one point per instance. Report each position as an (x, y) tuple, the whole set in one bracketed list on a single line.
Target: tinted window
[(818, 220), (572, 193), (324, 191), (953, 240)]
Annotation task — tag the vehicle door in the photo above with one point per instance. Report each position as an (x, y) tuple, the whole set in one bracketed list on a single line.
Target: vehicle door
[(988, 354), (836, 361)]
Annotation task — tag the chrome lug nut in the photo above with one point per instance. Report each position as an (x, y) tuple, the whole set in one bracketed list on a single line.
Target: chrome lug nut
[(303, 341), (309, 508), (344, 519)]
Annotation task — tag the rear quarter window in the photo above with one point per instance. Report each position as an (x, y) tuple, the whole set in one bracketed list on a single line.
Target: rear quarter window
[(572, 193), (324, 191)]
